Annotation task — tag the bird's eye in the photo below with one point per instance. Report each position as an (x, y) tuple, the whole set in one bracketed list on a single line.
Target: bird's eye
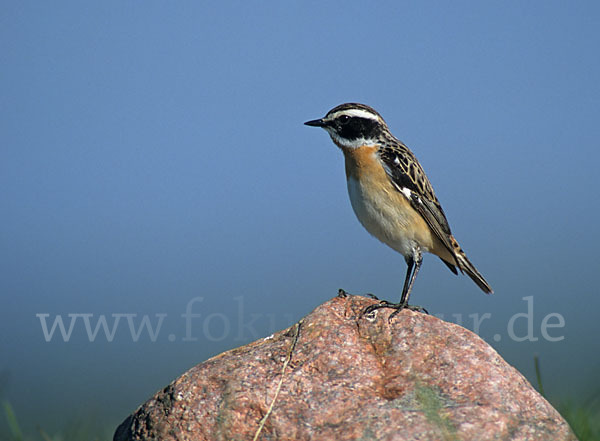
[(344, 119)]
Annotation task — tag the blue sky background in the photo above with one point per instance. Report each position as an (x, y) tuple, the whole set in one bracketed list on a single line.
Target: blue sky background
[(153, 152)]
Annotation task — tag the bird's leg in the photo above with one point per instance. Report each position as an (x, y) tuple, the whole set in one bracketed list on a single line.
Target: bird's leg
[(409, 280), (414, 265), (415, 261)]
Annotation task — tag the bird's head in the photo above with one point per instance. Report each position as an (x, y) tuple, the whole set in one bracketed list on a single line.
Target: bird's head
[(352, 125)]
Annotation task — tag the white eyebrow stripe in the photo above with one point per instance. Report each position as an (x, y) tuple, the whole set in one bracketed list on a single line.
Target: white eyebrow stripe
[(354, 112)]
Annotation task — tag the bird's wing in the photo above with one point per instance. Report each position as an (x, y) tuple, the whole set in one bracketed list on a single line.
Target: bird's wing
[(408, 177)]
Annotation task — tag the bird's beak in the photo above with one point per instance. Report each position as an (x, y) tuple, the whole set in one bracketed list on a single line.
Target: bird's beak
[(316, 123)]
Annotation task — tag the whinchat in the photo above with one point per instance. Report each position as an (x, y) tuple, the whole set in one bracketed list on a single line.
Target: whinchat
[(392, 197)]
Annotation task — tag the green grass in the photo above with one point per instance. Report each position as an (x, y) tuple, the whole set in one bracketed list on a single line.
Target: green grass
[(13, 425), (78, 430), (583, 417)]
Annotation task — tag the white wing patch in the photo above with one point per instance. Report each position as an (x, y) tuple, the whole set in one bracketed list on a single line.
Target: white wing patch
[(408, 193), (405, 191)]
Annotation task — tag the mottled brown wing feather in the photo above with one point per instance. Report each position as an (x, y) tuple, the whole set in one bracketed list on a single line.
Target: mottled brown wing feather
[(404, 171)]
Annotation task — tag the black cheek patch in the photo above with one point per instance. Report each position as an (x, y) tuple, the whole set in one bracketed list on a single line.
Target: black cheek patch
[(357, 128)]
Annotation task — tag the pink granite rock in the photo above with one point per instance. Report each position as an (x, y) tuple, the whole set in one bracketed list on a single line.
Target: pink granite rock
[(347, 377)]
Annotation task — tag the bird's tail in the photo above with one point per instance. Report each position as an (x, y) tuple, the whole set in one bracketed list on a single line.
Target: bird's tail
[(465, 265)]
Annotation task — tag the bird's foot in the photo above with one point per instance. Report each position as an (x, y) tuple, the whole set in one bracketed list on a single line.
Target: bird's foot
[(342, 293), (397, 306)]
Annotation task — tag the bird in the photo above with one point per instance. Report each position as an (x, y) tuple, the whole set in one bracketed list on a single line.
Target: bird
[(392, 197)]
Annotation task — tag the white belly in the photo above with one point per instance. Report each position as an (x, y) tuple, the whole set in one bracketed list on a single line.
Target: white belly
[(379, 212)]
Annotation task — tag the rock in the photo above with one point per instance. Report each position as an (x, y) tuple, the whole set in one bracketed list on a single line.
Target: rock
[(339, 376)]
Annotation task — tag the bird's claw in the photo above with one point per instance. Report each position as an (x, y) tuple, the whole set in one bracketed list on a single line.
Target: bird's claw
[(396, 306)]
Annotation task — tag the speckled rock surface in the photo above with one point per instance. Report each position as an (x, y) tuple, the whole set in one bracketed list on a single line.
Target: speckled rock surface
[(349, 377)]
